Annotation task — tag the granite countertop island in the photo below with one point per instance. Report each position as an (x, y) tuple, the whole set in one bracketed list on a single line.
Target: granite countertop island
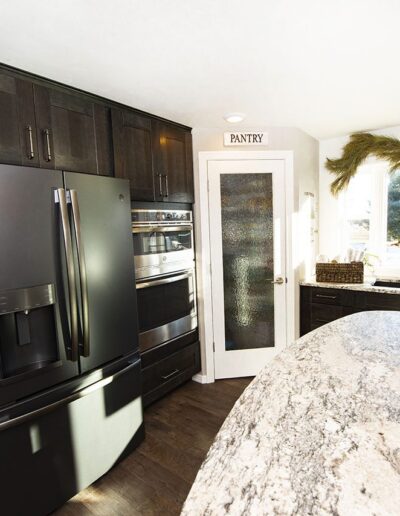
[(316, 432)]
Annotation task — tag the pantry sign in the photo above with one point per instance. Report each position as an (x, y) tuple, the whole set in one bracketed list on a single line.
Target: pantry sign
[(246, 138)]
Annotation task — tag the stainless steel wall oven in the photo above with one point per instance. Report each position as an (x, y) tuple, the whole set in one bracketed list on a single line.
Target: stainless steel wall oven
[(165, 275)]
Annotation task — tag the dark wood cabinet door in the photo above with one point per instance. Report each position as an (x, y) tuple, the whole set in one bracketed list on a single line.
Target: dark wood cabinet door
[(161, 377), (133, 156), (18, 143), (74, 133), (174, 163), (320, 305)]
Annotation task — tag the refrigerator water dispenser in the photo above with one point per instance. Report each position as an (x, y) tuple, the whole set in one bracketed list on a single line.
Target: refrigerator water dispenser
[(28, 337)]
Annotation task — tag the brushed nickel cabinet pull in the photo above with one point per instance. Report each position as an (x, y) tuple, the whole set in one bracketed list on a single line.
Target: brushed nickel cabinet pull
[(160, 185), (325, 296), (46, 133), (166, 185), (31, 153), (170, 375)]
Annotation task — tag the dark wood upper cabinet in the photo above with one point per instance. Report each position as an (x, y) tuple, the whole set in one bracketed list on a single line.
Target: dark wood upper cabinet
[(173, 163), (51, 126), (155, 156), (18, 144), (133, 158), (74, 133)]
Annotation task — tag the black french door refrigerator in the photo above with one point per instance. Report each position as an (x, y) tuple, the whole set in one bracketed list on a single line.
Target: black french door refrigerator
[(70, 404)]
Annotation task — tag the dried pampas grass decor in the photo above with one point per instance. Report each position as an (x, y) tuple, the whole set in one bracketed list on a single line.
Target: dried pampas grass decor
[(360, 146)]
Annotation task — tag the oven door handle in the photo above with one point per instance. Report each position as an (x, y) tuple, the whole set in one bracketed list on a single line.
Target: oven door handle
[(163, 281), (160, 229)]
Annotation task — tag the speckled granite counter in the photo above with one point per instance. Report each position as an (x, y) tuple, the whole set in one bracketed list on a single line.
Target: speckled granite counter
[(366, 287), (316, 432)]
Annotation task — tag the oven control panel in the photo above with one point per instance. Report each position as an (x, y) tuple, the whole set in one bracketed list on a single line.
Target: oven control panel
[(161, 216)]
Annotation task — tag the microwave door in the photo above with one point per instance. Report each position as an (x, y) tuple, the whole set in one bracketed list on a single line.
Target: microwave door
[(159, 250)]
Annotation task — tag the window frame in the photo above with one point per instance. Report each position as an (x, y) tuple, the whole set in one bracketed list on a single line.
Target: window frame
[(378, 221)]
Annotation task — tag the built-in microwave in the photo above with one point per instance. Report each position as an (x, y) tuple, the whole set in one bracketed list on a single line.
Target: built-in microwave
[(165, 275), (162, 241)]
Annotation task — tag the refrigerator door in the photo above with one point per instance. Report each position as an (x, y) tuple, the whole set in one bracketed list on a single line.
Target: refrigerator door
[(101, 227), (35, 337)]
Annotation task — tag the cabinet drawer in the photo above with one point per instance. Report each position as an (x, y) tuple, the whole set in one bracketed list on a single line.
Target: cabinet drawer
[(379, 301), (321, 305), (158, 353), (165, 375), (330, 296), (322, 314)]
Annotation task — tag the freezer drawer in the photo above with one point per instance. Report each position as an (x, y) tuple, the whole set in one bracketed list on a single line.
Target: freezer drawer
[(49, 458)]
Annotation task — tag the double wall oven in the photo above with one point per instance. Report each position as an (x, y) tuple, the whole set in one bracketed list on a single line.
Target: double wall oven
[(165, 275)]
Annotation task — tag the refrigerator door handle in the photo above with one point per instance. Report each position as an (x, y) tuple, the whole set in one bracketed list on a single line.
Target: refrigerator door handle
[(82, 273), (73, 307), (4, 425)]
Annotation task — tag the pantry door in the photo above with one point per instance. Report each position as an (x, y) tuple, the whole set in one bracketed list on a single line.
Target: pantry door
[(248, 277)]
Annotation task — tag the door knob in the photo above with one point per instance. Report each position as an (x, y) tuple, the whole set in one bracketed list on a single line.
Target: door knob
[(279, 280)]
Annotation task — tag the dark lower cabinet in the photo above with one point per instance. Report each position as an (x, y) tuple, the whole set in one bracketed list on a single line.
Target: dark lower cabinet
[(319, 306), (166, 367)]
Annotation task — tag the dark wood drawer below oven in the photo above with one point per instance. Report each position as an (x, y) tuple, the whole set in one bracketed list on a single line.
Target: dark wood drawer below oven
[(164, 375)]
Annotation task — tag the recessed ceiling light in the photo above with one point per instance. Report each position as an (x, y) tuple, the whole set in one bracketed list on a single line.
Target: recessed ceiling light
[(234, 118)]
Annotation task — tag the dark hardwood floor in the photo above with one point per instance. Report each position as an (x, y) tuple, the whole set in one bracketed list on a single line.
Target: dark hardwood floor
[(156, 478)]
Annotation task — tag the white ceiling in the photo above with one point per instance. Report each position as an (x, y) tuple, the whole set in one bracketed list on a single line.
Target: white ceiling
[(328, 67)]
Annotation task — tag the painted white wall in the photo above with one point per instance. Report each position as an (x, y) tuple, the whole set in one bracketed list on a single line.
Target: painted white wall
[(305, 154), (330, 213), (309, 63)]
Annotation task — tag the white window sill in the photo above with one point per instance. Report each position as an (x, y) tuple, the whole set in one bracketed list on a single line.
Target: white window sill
[(386, 272)]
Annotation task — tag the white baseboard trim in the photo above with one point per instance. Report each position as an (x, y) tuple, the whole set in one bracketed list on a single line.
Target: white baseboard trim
[(200, 378)]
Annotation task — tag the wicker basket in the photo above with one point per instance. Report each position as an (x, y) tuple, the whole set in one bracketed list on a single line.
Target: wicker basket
[(340, 272)]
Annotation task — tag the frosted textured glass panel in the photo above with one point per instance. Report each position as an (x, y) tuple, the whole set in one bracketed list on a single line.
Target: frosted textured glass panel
[(248, 260)]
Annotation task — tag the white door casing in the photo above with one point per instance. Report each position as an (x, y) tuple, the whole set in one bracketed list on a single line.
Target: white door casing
[(246, 362)]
